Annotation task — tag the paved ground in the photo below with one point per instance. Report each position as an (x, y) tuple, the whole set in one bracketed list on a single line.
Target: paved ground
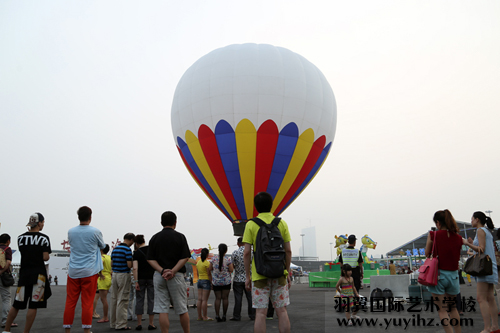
[(311, 310)]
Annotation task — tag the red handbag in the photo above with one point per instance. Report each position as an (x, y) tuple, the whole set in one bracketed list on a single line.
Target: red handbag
[(428, 272)]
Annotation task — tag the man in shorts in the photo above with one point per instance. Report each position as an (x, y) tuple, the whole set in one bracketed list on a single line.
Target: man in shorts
[(33, 288), (168, 253), (85, 264), (264, 288)]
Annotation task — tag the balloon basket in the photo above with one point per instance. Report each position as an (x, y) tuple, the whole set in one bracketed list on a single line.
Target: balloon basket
[(239, 227)]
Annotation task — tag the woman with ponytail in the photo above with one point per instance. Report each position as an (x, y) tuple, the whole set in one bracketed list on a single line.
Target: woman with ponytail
[(221, 268), (204, 285), (447, 245), (483, 242)]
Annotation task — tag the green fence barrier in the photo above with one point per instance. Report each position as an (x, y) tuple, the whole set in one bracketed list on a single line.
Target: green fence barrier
[(328, 279)]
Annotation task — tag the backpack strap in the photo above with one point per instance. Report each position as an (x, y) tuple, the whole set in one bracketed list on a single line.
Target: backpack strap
[(276, 221), (258, 221)]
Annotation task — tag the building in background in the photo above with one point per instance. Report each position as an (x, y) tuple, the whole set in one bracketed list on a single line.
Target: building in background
[(307, 245)]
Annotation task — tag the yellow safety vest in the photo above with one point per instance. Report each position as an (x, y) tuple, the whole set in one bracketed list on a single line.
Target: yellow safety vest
[(350, 256)]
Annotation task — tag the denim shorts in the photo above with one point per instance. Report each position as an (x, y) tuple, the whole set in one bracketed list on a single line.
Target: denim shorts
[(204, 284), (448, 283)]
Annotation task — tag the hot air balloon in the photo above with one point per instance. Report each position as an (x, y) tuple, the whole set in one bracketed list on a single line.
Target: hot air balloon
[(249, 118)]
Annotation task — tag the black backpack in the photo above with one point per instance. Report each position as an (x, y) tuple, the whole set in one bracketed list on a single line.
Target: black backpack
[(376, 293), (269, 250), (387, 293)]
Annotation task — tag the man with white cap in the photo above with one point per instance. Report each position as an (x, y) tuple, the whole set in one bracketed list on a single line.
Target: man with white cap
[(33, 287)]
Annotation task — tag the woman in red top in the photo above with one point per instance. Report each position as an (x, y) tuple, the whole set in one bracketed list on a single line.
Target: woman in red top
[(447, 249)]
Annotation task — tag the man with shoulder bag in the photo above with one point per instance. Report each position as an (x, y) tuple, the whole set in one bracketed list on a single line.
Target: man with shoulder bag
[(7, 279)]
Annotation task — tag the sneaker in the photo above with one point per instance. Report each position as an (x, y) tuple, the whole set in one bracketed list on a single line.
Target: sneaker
[(355, 317), (349, 323)]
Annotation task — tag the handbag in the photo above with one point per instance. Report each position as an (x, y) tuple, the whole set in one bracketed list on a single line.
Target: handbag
[(479, 265), (7, 279), (428, 272)]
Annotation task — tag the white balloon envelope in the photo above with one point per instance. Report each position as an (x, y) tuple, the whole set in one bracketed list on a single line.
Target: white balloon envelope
[(250, 118)]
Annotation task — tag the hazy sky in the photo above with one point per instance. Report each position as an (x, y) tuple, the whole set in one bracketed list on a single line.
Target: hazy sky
[(86, 90)]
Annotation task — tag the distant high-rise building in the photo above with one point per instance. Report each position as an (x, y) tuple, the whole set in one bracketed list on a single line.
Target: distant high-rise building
[(309, 243)]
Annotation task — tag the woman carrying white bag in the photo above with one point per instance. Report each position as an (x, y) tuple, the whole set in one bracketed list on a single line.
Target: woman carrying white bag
[(446, 249)]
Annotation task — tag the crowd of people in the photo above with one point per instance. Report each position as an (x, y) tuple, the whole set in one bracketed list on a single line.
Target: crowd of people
[(156, 270)]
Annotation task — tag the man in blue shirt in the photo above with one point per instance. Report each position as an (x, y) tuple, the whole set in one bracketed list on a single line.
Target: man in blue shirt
[(85, 264), (121, 262)]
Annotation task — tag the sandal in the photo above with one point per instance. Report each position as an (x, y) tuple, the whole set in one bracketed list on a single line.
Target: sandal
[(152, 327), (96, 316), (103, 321), (208, 319)]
